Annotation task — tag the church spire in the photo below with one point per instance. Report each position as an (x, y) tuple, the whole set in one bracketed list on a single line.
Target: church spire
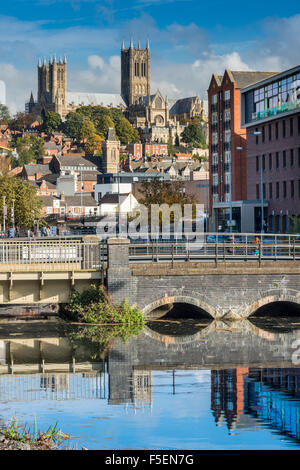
[(131, 43), (148, 45), (65, 59), (123, 45)]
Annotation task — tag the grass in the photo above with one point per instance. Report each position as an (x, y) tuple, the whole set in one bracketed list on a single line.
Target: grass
[(22, 433)]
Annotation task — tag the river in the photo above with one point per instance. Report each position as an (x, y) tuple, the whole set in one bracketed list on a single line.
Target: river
[(179, 384)]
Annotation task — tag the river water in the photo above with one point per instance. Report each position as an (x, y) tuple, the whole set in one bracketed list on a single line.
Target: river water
[(180, 384)]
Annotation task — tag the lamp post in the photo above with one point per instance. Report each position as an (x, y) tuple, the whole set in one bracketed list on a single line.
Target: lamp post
[(261, 189), (81, 203)]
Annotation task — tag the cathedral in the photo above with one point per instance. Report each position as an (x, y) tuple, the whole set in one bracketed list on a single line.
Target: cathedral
[(156, 116)]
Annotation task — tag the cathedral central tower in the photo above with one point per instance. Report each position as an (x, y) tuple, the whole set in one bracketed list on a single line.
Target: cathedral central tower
[(135, 73)]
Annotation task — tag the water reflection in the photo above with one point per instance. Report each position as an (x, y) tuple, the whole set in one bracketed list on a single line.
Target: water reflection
[(188, 386)]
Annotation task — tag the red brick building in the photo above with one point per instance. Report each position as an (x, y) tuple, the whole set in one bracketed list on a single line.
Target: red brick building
[(227, 146)]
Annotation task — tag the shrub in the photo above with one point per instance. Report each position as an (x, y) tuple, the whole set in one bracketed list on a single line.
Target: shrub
[(94, 306)]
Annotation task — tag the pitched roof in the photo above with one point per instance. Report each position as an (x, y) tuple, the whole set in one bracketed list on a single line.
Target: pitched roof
[(245, 78), (183, 105), (113, 198), (96, 99), (65, 160), (32, 168)]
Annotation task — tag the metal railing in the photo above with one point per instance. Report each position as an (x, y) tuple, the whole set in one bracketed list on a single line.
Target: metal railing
[(219, 248), (92, 254), (65, 253)]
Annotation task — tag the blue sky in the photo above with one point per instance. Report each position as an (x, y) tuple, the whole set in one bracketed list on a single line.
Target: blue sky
[(189, 41)]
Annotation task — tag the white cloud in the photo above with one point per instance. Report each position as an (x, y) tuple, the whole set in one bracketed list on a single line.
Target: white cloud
[(22, 42)]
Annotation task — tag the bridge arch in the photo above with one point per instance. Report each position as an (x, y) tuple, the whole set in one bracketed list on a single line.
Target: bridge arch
[(287, 296), (196, 301)]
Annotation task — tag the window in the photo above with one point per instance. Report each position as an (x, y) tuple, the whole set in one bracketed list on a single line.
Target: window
[(277, 160), (292, 189), (292, 157), (270, 161), (270, 191), (284, 159), (277, 190), (264, 191), (214, 99), (283, 128), (227, 95), (263, 134), (257, 191), (284, 189), (256, 137), (263, 162), (270, 131), (257, 163), (291, 126), (276, 130), (259, 99)]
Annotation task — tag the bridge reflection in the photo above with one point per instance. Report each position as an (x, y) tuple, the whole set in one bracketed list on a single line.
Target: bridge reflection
[(252, 379)]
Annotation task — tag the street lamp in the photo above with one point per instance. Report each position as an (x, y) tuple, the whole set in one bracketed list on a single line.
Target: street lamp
[(261, 189), (81, 203)]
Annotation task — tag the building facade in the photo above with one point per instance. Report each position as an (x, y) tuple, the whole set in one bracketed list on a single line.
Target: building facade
[(271, 119), (227, 150)]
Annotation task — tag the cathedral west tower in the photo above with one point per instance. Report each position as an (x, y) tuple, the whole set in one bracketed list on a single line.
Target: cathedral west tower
[(135, 73)]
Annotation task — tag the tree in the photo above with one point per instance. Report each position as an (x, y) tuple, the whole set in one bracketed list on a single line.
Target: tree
[(27, 205), (171, 148), (73, 124), (4, 114), (164, 192), (94, 144), (87, 130), (104, 123), (125, 132), (177, 142), (21, 121), (29, 148), (193, 135), (52, 122)]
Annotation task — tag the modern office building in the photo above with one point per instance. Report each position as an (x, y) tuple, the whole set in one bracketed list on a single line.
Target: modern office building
[(270, 111), (227, 150)]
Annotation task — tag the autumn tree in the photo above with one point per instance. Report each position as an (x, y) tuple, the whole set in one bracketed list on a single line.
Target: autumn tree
[(21, 121), (94, 144)]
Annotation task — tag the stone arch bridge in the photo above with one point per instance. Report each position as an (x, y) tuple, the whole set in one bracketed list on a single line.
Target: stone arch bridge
[(231, 290)]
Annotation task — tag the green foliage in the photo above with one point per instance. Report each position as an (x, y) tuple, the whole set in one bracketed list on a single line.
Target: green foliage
[(23, 433), (125, 132), (102, 118), (98, 338), (171, 148), (94, 306), (27, 205), (87, 130), (29, 148), (52, 122), (73, 124), (4, 114), (294, 224), (193, 135)]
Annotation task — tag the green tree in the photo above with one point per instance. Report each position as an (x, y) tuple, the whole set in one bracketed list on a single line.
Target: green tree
[(171, 148), (52, 122), (87, 130), (193, 135), (104, 123), (29, 148), (73, 124), (125, 132), (27, 205), (4, 114)]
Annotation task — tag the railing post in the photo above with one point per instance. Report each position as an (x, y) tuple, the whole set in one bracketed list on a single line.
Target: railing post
[(260, 253), (216, 252)]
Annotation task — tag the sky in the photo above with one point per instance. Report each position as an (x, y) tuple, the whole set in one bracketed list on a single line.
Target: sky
[(189, 41)]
